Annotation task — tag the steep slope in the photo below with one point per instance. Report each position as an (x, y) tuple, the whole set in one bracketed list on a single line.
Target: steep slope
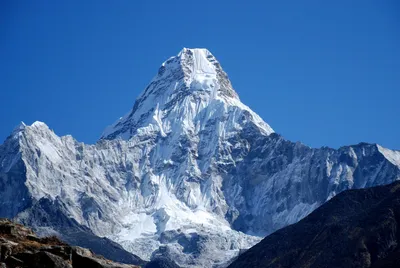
[(189, 93), (190, 173), (357, 228), (20, 247)]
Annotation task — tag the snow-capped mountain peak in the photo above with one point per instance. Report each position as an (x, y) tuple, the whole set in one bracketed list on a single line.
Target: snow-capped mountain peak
[(201, 70), (38, 127), (190, 172), (189, 89)]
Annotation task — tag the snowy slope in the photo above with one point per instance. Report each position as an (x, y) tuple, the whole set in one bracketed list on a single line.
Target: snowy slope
[(189, 90), (190, 172)]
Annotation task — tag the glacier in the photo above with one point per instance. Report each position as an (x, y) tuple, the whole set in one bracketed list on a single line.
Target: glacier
[(189, 173)]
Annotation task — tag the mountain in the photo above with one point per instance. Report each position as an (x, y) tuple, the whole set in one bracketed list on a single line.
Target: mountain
[(356, 228), (189, 174), (20, 247)]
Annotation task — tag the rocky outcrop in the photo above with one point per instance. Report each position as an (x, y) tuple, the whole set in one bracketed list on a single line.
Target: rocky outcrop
[(357, 228), (20, 247)]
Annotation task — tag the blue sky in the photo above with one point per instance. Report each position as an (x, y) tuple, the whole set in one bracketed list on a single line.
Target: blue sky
[(326, 73)]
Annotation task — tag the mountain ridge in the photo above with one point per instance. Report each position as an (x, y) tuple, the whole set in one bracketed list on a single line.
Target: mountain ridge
[(193, 79), (356, 228), (190, 173)]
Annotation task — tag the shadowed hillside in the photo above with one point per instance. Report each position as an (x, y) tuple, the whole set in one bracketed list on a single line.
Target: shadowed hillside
[(357, 228)]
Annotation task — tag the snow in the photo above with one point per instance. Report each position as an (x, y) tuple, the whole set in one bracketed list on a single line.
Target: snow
[(39, 124), (140, 225), (299, 211), (391, 155), (186, 169), (198, 74), (201, 65)]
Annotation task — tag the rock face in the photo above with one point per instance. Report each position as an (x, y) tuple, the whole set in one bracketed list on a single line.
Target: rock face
[(357, 228), (190, 173), (20, 247), (54, 220)]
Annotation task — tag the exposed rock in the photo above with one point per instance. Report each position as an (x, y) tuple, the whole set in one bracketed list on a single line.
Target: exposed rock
[(54, 216), (5, 249), (12, 261), (20, 247), (42, 259), (357, 228), (82, 257)]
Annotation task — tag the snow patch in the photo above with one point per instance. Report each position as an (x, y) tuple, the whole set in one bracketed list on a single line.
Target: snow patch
[(392, 156)]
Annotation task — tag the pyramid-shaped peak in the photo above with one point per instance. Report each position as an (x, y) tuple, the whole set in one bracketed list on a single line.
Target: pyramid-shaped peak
[(192, 61), (199, 61), (189, 89), (198, 51), (195, 68)]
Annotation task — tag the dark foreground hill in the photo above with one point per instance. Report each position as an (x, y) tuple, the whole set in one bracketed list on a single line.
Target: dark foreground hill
[(357, 228)]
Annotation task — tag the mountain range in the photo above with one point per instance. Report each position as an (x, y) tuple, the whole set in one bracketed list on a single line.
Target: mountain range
[(190, 173)]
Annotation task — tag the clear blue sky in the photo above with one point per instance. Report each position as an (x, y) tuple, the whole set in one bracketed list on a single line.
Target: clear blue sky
[(321, 72)]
